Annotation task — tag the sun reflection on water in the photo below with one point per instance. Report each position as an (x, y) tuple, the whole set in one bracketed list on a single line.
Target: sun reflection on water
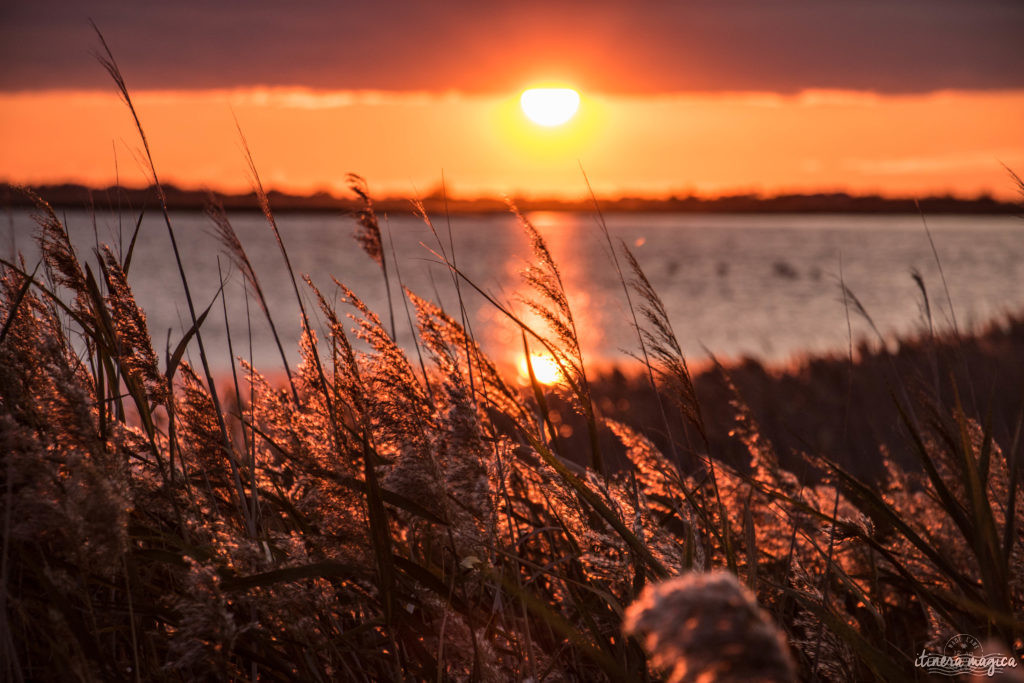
[(566, 236), (545, 369)]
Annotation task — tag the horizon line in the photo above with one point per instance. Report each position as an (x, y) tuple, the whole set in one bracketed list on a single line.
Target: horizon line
[(76, 194)]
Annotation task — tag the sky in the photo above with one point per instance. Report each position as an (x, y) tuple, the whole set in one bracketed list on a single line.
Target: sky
[(695, 96)]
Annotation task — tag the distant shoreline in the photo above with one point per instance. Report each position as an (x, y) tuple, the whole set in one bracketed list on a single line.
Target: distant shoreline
[(111, 198)]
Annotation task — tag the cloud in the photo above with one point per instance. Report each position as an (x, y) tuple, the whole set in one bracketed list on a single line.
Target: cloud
[(642, 47)]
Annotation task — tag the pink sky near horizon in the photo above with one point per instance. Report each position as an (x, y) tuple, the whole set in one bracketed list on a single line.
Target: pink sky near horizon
[(306, 140)]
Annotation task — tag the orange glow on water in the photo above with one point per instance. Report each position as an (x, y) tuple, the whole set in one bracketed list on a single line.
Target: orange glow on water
[(545, 369), (563, 234)]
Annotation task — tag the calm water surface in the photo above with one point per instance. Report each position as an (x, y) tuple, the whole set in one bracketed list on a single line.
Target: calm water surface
[(765, 286)]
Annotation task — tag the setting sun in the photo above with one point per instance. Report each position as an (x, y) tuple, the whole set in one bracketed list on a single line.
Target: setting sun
[(550, 106)]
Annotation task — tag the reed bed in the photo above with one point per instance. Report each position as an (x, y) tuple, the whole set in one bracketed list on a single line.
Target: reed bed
[(393, 514)]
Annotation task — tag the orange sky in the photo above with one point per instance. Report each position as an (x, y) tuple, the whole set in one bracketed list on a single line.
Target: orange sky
[(915, 97), (305, 140)]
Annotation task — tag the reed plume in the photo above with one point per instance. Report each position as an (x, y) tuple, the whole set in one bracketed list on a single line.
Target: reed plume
[(704, 627)]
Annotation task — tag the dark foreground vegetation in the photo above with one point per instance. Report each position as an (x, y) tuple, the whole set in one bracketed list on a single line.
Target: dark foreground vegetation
[(407, 515), (823, 404), (392, 515)]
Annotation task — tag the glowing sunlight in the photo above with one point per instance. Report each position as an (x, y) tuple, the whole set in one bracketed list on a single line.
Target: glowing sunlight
[(550, 106), (545, 369)]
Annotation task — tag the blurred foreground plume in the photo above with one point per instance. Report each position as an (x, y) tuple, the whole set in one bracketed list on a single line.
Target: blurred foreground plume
[(708, 627)]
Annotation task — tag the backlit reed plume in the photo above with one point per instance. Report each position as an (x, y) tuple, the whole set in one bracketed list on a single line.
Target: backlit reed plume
[(708, 627)]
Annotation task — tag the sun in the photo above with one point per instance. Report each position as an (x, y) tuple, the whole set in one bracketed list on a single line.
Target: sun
[(550, 106)]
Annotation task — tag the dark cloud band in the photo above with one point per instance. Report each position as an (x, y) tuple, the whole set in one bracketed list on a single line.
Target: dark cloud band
[(782, 45)]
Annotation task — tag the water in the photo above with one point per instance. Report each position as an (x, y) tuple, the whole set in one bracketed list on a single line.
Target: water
[(764, 286)]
